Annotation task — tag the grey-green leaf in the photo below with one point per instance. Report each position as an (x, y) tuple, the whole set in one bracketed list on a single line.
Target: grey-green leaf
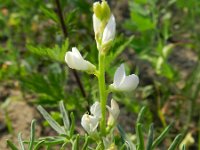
[(160, 138), (150, 138), (11, 145), (64, 115), (51, 121), (176, 141), (32, 137), (20, 141)]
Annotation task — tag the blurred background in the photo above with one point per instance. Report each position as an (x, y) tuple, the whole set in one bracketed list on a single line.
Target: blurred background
[(156, 39)]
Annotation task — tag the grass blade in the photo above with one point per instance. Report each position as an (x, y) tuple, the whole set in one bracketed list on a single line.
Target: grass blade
[(183, 148), (37, 146), (85, 143), (20, 141), (11, 145), (75, 145), (140, 115), (64, 115), (176, 141), (32, 137), (50, 120), (127, 142), (140, 137), (150, 138), (161, 137)]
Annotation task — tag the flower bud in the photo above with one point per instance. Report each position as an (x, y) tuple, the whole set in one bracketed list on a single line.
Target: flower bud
[(104, 25), (113, 112), (76, 61), (123, 82), (109, 31), (101, 10)]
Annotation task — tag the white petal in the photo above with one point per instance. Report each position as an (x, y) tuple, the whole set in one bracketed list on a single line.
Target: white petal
[(95, 109), (94, 122), (96, 23), (69, 58), (130, 83), (115, 108), (76, 61), (109, 31), (113, 112), (89, 123), (76, 52), (119, 75), (84, 122)]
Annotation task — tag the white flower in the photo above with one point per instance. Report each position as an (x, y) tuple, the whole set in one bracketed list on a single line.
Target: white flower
[(95, 109), (108, 31), (89, 123), (123, 82), (76, 61), (113, 112)]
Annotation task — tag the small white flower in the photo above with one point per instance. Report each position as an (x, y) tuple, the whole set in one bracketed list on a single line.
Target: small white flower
[(95, 109), (89, 123), (123, 82), (109, 31), (76, 61), (113, 112)]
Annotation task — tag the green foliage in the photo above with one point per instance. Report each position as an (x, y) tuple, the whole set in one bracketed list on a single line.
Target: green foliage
[(50, 87), (32, 41), (56, 53)]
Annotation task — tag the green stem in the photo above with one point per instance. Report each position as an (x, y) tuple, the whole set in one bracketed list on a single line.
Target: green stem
[(102, 92)]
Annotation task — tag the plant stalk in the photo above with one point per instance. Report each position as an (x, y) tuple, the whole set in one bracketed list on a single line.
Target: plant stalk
[(65, 33), (102, 92)]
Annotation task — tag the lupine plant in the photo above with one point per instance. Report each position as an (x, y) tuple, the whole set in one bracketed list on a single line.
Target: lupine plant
[(102, 130)]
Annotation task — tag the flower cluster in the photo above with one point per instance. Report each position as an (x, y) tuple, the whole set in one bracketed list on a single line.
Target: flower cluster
[(104, 28)]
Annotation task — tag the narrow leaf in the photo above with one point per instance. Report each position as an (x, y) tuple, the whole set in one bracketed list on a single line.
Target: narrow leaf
[(72, 124), (159, 139), (64, 115), (150, 138), (11, 145), (140, 115), (176, 141), (51, 121), (38, 145), (129, 144), (32, 138), (75, 145), (20, 141), (86, 143), (183, 148), (140, 137)]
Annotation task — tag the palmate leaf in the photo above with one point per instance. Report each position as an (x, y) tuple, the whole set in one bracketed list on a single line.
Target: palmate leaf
[(56, 53)]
